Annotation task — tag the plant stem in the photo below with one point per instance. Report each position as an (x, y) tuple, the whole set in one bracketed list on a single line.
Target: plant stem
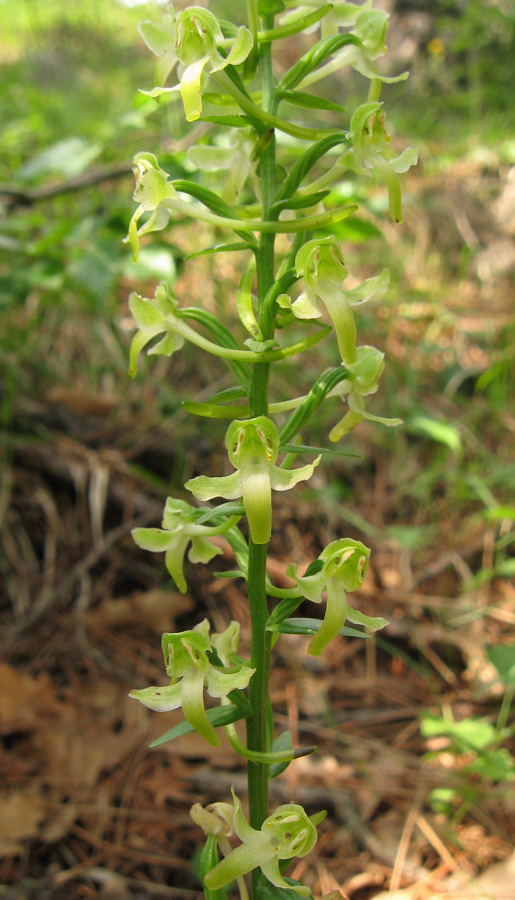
[(261, 642)]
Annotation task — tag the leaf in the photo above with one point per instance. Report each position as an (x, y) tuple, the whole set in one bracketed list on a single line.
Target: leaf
[(306, 162), (302, 202), (225, 509), (294, 26), (220, 248), (283, 742), (441, 432), (503, 658), (314, 57), (232, 121), (311, 626), (309, 101), (218, 716), (270, 7), (325, 383), (228, 394), (324, 451), (268, 891), (67, 158)]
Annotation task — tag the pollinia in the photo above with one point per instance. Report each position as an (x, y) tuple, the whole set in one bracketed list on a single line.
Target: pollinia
[(280, 172)]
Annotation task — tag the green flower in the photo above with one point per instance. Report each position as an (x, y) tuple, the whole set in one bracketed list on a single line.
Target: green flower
[(344, 566), (253, 448), (320, 263), (187, 660), (152, 187), (288, 832), (369, 141), (364, 380), (370, 26), (153, 317), (179, 530), (197, 38), (234, 159)]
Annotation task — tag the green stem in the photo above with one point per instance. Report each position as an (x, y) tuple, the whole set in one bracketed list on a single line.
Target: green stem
[(261, 640)]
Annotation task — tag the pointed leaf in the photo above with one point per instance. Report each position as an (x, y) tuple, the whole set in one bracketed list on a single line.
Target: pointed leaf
[(218, 716), (311, 626), (309, 101)]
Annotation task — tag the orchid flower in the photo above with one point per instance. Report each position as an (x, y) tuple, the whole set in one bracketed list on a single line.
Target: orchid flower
[(341, 15), (344, 564), (288, 832), (187, 661), (370, 26), (195, 42), (369, 141), (235, 160), (152, 187), (179, 530), (320, 263), (154, 317), (253, 448), (363, 380)]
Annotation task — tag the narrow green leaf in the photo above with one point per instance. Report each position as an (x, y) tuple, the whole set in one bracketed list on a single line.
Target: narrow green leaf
[(270, 7), (232, 121), (311, 626), (231, 508), (325, 383), (295, 27), (308, 101), (283, 610), (303, 202), (305, 163), (282, 742), (323, 451), (314, 57), (228, 394), (244, 306), (208, 860), (268, 891), (218, 716), (220, 248), (441, 432), (214, 411)]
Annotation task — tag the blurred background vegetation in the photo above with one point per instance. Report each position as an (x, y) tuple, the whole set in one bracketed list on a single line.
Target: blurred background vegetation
[(84, 448)]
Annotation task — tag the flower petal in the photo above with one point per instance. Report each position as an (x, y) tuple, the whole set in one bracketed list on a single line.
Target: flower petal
[(255, 851), (160, 699), (192, 702), (284, 479), (204, 487), (334, 619)]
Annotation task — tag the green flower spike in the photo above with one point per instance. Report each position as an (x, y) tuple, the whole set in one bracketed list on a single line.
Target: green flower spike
[(288, 832), (344, 566), (197, 39), (187, 662), (179, 529), (369, 141), (364, 380), (152, 187), (320, 263), (253, 448)]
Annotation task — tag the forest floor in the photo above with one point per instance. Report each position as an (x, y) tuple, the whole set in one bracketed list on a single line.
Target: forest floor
[(417, 807)]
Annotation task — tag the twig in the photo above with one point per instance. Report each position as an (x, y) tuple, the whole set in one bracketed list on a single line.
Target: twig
[(18, 196)]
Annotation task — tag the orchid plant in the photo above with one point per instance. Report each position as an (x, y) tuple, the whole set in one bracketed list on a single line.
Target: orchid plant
[(226, 76)]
